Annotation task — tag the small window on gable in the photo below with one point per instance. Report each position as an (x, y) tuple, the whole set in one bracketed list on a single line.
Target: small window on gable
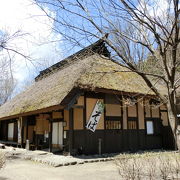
[(149, 127)]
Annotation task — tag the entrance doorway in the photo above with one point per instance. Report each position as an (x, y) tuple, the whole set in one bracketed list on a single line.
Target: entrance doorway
[(57, 135)]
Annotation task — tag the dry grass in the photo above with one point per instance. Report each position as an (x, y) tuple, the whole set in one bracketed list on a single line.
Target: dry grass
[(150, 166), (2, 160)]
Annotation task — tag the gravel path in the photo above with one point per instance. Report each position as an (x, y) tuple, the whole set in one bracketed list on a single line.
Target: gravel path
[(18, 169), (52, 159), (37, 165)]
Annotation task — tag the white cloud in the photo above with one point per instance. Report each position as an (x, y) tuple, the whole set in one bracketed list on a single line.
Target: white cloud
[(27, 17), (156, 8)]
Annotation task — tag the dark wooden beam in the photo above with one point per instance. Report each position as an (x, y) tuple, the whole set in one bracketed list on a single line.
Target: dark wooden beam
[(113, 118), (26, 129), (21, 131), (71, 130), (85, 122), (50, 135), (84, 113), (35, 112), (109, 91), (6, 137)]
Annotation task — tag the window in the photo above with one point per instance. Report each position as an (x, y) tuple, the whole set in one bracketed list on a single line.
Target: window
[(113, 122), (113, 125), (132, 123), (149, 127), (113, 113)]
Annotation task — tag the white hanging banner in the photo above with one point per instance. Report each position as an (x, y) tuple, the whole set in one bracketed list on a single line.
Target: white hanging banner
[(95, 116)]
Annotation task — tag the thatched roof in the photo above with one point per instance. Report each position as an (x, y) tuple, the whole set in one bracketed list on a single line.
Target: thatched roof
[(98, 47), (91, 72)]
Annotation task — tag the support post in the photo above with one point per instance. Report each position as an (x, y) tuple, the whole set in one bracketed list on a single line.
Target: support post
[(70, 130), (100, 146), (50, 136), (84, 125), (26, 128), (19, 141)]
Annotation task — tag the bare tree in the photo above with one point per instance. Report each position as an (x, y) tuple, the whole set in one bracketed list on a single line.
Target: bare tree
[(8, 51), (7, 43), (133, 30), (7, 81)]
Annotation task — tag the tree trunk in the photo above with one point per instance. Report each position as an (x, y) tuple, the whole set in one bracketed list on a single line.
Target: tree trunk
[(178, 137), (173, 124)]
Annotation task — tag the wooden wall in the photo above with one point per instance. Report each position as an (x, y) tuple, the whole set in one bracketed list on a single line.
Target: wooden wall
[(141, 114), (42, 124), (131, 124), (78, 118), (66, 119), (90, 104), (115, 107), (130, 134), (164, 115)]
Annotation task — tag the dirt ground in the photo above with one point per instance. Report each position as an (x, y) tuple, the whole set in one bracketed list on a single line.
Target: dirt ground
[(18, 169), (143, 165)]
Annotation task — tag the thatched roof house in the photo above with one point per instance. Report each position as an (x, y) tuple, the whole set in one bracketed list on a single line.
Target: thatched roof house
[(58, 108), (85, 70)]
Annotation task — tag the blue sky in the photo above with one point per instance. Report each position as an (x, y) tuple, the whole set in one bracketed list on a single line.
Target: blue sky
[(41, 43), (27, 17), (23, 16)]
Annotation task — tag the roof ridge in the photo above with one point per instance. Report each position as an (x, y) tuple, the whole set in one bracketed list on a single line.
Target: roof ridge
[(97, 47)]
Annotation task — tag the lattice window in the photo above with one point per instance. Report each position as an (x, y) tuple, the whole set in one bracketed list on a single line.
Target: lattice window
[(113, 122), (113, 125), (132, 123)]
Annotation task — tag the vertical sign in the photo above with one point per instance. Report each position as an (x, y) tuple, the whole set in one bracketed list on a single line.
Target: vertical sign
[(95, 116)]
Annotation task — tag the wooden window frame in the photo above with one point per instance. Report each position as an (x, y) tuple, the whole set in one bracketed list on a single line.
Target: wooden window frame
[(149, 119), (132, 119), (114, 119), (153, 119)]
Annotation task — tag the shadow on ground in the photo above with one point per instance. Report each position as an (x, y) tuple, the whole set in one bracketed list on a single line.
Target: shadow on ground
[(3, 178)]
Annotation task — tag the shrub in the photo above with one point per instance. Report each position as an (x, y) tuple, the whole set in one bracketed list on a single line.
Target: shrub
[(2, 159), (149, 166)]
